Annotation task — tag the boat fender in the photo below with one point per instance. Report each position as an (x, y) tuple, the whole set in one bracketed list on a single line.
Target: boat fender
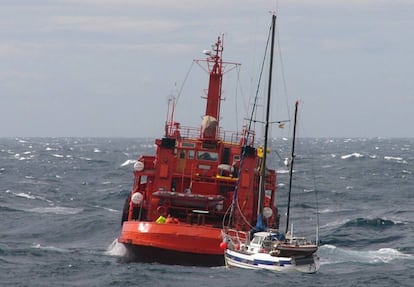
[(137, 198), (139, 166)]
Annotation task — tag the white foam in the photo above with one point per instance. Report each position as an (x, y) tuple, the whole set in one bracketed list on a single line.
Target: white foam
[(56, 210), (51, 248), (129, 162), (116, 249), (25, 195), (19, 157), (51, 149), (334, 223), (352, 155), (58, 155), (107, 208), (334, 254), (394, 158)]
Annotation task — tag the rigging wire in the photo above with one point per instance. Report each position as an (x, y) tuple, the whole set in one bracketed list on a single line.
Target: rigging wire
[(237, 90), (183, 83), (314, 183), (317, 240), (317, 206), (284, 85), (235, 202)]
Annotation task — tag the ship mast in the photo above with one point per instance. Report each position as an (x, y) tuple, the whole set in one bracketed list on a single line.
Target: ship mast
[(212, 115), (263, 166), (291, 167)]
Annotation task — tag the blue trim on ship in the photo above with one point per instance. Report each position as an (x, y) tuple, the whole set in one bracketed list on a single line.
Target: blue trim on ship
[(261, 262)]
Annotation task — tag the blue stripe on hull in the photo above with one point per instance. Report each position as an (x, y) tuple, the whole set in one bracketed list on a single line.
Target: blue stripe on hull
[(258, 261)]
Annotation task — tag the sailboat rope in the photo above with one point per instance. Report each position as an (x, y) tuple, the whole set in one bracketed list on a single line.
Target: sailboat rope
[(235, 202), (185, 79), (317, 240), (317, 206)]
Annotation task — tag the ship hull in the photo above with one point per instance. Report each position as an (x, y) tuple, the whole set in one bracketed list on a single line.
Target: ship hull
[(172, 243)]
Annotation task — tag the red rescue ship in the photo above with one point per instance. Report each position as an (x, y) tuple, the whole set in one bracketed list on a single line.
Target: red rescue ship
[(182, 194)]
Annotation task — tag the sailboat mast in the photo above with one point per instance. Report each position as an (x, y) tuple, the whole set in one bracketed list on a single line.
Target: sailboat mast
[(291, 167), (269, 93)]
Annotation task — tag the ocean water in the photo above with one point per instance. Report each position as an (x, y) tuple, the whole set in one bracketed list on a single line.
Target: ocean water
[(61, 201)]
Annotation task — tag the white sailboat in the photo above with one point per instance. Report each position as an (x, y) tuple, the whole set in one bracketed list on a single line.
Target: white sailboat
[(264, 247)]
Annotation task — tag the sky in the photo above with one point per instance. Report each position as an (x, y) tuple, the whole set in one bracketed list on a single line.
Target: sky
[(106, 68)]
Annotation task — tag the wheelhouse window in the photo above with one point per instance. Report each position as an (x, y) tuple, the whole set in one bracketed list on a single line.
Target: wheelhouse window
[(207, 155)]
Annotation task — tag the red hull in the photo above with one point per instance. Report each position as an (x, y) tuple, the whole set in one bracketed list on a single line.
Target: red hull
[(172, 243)]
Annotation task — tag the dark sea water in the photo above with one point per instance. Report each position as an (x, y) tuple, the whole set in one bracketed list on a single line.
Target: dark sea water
[(61, 202)]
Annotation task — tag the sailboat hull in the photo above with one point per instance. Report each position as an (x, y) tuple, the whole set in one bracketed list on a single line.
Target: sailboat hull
[(172, 243), (266, 261)]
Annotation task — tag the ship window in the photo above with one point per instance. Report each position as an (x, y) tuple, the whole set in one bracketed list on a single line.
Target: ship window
[(190, 154), (206, 155), (257, 240), (236, 158), (204, 166), (182, 154), (187, 144)]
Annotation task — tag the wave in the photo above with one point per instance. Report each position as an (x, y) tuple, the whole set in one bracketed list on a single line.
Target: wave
[(107, 208), (128, 162), (60, 210), (49, 248), (334, 255), (338, 222), (18, 156), (24, 195), (57, 155), (51, 149), (370, 223), (352, 155), (361, 232), (395, 159), (29, 196)]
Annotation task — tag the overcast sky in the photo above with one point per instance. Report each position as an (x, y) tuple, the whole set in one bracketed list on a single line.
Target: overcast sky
[(106, 67)]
